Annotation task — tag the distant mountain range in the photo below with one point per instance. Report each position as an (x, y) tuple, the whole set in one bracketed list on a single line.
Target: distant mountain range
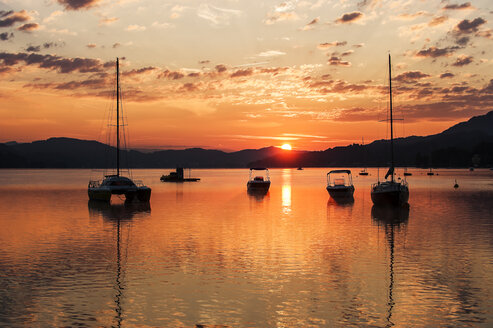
[(465, 144)]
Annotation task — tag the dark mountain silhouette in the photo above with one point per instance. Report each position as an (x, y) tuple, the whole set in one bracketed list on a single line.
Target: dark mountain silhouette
[(454, 147)]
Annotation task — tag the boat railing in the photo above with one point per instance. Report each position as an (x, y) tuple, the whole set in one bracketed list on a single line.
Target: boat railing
[(139, 183), (402, 182), (94, 183)]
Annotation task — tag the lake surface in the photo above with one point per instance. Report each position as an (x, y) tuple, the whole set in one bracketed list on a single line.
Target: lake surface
[(208, 253)]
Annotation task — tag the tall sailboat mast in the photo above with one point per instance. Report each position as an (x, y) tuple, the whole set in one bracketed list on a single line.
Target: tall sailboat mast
[(391, 124), (118, 118)]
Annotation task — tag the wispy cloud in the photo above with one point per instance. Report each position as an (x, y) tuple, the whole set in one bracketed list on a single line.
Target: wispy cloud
[(311, 24), (271, 53), (135, 28), (217, 16), (327, 45), (107, 20), (53, 16)]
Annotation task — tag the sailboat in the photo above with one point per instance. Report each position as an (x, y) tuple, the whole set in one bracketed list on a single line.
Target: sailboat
[(117, 184), (390, 192), (364, 171)]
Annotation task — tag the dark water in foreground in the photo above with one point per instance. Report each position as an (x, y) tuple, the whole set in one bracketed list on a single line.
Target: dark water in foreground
[(208, 253)]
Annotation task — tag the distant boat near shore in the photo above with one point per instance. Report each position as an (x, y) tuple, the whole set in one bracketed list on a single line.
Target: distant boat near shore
[(178, 176)]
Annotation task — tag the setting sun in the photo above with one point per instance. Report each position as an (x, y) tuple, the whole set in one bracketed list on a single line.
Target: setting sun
[(286, 147)]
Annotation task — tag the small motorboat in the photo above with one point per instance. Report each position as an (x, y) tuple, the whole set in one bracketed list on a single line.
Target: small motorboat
[(258, 183), (340, 184), (430, 173), (300, 168)]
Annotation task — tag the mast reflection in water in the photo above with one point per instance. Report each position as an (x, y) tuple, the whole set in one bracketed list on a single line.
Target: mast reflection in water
[(121, 216), (391, 218)]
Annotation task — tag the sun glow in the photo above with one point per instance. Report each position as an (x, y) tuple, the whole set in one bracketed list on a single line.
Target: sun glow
[(286, 147)]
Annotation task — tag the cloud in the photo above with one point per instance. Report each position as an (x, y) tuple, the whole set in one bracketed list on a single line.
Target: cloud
[(310, 25), (347, 53), (12, 17), (48, 45), (140, 71), (327, 45), (78, 4), (282, 12), (116, 45), (52, 16), (45, 45), (204, 62), (368, 3), (217, 16), (434, 52), (171, 75), (466, 5), (466, 26), (273, 18), (29, 27), (410, 76), (349, 17), (406, 16), (242, 72), (446, 75), (162, 25), (6, 36), (107, 20), (33, 49), (221, 68), (135, 27), (463, 60), (271, 53), (190, 87), (51, 62), (91, 45), (438, 20), (337, 61)]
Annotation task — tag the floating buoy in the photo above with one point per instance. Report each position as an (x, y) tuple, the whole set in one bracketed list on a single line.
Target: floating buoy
[(456, 185)]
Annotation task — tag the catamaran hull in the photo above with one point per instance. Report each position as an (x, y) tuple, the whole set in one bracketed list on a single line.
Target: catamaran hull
[(340, 193), (392, 197), (100, 194), (142, 194)]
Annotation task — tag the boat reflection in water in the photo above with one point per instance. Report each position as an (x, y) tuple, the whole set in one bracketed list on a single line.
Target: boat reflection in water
[(344, 202), (121, 216), (257, 194), (391, 218)]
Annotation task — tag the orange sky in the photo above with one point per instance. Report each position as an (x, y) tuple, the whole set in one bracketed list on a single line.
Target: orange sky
[(234, 74)]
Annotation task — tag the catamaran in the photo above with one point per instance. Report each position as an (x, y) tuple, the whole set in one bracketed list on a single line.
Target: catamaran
[(117, 184)]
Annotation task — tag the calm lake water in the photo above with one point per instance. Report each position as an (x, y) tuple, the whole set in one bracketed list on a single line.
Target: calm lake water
[(208, 253)]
